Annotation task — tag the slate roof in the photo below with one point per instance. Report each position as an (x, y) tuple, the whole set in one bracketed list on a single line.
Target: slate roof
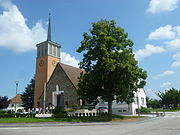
[(73, 73)]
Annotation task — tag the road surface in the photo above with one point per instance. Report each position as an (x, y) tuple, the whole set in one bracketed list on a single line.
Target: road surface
[(167, 125)]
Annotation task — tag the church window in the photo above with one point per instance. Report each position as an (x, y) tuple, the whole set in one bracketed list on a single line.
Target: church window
[(58, 52), (54, 51), (41, 51), (38, 52), (50, 49), (45, 48)]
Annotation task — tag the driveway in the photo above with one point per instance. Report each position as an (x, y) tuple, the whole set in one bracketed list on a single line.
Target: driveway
[(168, 125)]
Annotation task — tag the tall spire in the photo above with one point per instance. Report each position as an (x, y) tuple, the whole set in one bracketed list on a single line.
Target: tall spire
[(49, 28)]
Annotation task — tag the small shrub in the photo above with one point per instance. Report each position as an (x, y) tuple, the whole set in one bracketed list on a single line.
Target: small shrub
[(2, 111), (70, 110), (60, 115), (58, 110), (17, 115), (144, 110), (74, 105)]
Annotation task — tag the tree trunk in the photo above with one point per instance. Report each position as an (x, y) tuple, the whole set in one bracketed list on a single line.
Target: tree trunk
[(110, 107)]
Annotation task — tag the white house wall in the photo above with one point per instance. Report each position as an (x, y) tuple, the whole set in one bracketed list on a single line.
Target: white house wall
[(125, 109)]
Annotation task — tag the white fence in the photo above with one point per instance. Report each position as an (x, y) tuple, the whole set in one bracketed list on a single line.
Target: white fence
[(83, 112)]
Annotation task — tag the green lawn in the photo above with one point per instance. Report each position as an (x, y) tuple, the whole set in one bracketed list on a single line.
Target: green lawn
[(74, 119)]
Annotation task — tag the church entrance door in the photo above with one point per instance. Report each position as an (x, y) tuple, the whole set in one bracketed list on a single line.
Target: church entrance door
[(58, 100)]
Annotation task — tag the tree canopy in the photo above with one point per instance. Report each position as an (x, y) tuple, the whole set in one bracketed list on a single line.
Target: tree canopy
[(4, 102), (111, 70), (28, 95), (152, 103), (170, 98)]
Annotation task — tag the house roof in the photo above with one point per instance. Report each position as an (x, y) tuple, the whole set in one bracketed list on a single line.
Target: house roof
[(16, 99), (73, 73)]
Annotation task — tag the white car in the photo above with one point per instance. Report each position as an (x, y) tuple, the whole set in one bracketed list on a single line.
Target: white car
[(103, 109)]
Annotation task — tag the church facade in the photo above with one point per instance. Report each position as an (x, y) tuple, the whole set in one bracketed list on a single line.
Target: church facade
[(55, 82)]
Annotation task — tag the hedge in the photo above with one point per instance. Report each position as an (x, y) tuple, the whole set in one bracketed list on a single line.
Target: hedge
[(17, 115)]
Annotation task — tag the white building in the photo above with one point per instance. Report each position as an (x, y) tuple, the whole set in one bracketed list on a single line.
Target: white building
[(125, 109)]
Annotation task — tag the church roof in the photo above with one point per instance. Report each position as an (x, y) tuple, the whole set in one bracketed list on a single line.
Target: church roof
[(50, 42), (73, 73)]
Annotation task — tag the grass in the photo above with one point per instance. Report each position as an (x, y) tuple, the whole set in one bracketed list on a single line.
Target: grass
[(70, 119)]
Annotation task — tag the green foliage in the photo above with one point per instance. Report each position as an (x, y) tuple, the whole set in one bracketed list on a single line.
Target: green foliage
[(70, 119), (109, 64), (75, 106), (28, 95), (4, 102), (3, 111), (144, 110), (17, 115), (153, 103), (60, 115), (59, 112), (70, 110), (170, 98)]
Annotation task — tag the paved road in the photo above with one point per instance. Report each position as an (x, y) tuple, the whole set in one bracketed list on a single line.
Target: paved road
[(168, 125)]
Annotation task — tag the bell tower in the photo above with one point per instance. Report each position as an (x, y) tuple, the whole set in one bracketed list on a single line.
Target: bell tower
[(48, 55)]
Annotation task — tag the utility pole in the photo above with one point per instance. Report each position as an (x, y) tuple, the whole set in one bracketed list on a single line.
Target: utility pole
[(138, 103), (16, 82), (44, 105)]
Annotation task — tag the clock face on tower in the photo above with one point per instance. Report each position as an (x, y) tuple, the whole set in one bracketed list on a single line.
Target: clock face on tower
[(54, 63), (41, 63)]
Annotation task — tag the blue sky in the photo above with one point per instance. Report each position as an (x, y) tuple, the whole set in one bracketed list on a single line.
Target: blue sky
[(153, 25)]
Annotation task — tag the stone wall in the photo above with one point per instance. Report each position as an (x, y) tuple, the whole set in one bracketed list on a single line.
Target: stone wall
[(60, 78)]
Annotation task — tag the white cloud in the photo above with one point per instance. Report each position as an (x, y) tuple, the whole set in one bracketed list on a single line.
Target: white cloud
[(165, 32), (165, 85), (150, 93), (148, 50), (170, 35), (176, 56), (68, 59), (157, 6), (176, 62), (165, 73), (17, 36), (14, 32), (173, 44)]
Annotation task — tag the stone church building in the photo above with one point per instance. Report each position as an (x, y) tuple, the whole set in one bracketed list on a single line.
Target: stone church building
[(55, 82)]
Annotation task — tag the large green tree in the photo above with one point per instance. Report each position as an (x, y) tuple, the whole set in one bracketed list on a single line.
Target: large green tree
[(153, 103), (4, 102), (170, 97), (111, 70), (28, 95)]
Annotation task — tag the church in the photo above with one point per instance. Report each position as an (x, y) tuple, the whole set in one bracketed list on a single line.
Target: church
[(55, 82)]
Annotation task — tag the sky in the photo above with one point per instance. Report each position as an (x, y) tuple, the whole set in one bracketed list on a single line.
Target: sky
[(153, 26)]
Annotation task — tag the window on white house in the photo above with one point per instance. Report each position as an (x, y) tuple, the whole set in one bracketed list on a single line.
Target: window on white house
[(124, 110), (142, 101)]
